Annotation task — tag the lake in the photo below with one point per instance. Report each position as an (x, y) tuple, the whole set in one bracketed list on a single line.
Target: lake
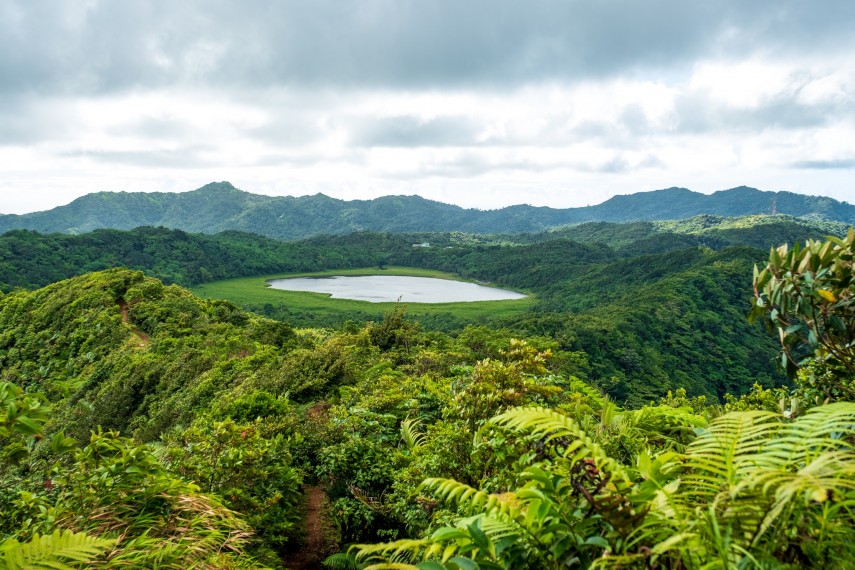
[(392, 288)]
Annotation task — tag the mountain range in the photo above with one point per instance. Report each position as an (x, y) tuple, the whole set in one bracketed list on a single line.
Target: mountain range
[(219, 206)]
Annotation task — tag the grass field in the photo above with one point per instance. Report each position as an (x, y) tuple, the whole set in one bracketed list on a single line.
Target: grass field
[(318, 309)]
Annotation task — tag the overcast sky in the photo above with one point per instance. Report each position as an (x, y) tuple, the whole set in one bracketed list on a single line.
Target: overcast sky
[(479, 103)]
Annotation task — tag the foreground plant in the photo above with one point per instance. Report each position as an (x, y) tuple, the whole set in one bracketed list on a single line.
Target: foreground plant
[(752, 490), (110, 502), (55, 551), (807, 295)]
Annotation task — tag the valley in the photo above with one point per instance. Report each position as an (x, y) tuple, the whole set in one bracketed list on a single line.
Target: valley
[(384, 285), (311, 309), (296, 423)]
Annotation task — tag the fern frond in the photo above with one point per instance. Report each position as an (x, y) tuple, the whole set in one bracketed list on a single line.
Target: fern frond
[(342, 561), (52, 551), (471, 498), (551, 425), (831, 474), (824, 428), (498, 529), (404, 550), (758, 473), (673, 427), (412, 434), (453, 547), (732, 446), (444, 544)]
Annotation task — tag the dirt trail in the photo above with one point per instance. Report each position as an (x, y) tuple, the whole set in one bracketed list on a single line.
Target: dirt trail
[(309, 557), (143, 338)]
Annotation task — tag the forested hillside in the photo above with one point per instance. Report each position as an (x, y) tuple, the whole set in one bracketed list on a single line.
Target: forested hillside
[(642, 323), (145, 427), (30, 259), (218, 207), (148, 427)]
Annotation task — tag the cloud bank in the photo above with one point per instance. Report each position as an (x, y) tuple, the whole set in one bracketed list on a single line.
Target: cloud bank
[(482, 103)]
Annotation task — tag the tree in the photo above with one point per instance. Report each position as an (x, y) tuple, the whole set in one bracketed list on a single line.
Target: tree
[(807, 294)]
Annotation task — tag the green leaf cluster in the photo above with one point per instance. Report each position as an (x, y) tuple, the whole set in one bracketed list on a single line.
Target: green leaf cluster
[(807, 295)]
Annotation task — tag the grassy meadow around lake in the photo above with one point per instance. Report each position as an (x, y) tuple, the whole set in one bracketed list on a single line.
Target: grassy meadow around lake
[(303, 308)]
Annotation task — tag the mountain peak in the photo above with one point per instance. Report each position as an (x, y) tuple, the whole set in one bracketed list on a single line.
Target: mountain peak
[(219, 206), (218, 188), (741, 190)]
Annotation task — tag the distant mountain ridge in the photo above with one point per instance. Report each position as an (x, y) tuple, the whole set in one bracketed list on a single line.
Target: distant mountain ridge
[(219, 206)]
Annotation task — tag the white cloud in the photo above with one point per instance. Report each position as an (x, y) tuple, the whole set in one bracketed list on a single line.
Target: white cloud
[(484, 104)]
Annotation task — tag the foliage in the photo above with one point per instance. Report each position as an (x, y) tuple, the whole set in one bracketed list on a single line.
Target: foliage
[(122, 351), (250, 469), (752, 489), (536, 434), (114, 488), (52, 551), (807, 294), (21, 419), (640, 325), (29, 259), (759, 398), (650, 309), (758, 490)]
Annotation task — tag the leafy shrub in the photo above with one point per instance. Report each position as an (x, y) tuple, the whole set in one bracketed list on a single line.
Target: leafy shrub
[(250, 469)]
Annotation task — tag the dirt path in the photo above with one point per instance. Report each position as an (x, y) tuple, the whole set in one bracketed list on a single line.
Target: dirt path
[(143, 338), (310, 556)]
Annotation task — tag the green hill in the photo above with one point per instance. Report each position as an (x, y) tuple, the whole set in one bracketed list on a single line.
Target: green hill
[(231, 413), (652, 305), (218, 207), (31, 260)]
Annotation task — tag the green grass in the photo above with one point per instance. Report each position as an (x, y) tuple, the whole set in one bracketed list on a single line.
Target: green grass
[(319, 309)]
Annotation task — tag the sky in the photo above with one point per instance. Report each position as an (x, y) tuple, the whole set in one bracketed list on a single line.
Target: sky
[(480, 103)]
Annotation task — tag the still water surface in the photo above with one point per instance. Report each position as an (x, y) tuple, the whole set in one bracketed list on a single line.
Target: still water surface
[(391, 288)]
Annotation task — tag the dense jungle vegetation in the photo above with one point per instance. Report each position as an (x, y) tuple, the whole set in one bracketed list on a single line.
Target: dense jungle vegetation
[(633, 418), (646, 307), (30, 259)]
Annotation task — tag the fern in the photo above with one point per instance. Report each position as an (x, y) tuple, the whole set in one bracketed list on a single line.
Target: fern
[(734, 443), (398, 551), (473, 499), (670, 428), (753, 490), (472, 545), (821, 429), (343, 561), (552, 425), (52, 551), (411, 433), (761, 479)]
